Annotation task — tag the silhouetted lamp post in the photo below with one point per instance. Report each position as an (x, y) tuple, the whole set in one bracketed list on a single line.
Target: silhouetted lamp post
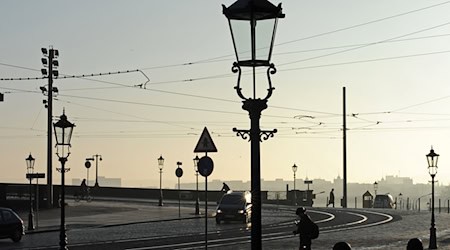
[(375, 187), (294, 169), (432, 159), (63, 133), (197, 205), (30, 169), (253, 26), (160, 166)]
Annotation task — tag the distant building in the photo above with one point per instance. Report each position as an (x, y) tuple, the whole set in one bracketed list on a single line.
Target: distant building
[(102, 181)]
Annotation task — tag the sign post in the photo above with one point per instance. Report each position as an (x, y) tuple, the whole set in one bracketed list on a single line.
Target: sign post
[(205, 168)]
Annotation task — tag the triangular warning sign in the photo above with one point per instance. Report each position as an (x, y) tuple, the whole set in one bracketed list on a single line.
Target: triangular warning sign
[(205, 143)]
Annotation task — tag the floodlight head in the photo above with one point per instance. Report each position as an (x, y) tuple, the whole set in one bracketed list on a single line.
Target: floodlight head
[(44, 61), (55, 63), (55, 73), (44, 72), (56, 53), (43, 89), (44, 51)]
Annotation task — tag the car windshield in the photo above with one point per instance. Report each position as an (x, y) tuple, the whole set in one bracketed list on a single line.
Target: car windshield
[(233, 199)]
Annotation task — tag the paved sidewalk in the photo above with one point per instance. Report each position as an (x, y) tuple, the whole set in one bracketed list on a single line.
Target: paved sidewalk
[(100, 213)]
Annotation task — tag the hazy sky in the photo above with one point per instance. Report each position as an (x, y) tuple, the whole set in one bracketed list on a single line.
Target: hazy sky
[(393, 57)]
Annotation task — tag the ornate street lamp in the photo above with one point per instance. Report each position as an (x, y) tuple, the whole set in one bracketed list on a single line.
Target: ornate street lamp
[(63, 133), (375, 187), (432, 159), (294, 169), (160, 166), (197, 205), (253, 26), (30, 169)]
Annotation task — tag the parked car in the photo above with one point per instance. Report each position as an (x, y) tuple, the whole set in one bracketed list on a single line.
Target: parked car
[(384, 201), (234, 206), (11, 225)]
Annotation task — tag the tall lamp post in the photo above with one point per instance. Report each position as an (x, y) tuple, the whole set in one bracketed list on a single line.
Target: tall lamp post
[(63, 133), (197, 205), (432, 159), (253, 26), (95, 158), (30, 169), (160, 166), (294, 169), (375, 187)]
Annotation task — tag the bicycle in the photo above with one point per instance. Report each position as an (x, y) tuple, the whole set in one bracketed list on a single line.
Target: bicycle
[(78, 197)]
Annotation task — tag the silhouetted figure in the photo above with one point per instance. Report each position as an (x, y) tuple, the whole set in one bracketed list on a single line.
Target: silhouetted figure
[(306, 229), (84, 189), (331, 201), (225, 188), (414, 244), (342, 245)]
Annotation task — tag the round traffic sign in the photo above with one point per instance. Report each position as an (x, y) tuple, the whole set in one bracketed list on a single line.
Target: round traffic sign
[(179, 172), (205, 166), (87, 164)]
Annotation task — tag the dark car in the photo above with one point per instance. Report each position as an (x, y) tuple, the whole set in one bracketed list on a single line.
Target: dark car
[(234, 206), (11, 225), (384, 201)]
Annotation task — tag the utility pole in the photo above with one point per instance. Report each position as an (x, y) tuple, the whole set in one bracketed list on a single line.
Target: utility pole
[(344, 199), (51, 54)]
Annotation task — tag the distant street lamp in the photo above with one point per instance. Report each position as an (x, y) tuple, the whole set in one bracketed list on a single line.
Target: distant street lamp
[(63, 133), (400, 197), (375, 187), (96, 158), (197, 205), (294, 169), (179, 173), (253, 26), (160, 166), (432, 159), (30, 169)]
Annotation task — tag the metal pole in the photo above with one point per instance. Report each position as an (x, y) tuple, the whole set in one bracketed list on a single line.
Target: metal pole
[(160, 189), (96, 171), (37, 202), (30, 215), (432, 244), (344, 200), (255, 106), (295, 193), (179, 199), (206, 212), (62, 233), (197, 205), (49, 129)]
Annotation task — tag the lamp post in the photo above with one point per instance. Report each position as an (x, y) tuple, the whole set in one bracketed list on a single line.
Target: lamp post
[(63, 133), (197, 205), (179, 173), (253, 26), (30, 169), (375, 187), (400, 197), (294, 169), (160, 166), (432, 159), (95, 158)]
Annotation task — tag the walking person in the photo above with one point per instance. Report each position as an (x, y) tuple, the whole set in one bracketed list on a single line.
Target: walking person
[(331, 200), (306, 229)]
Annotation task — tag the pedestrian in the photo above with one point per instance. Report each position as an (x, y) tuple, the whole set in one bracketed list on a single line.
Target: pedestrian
[(84, 189), (414, 244), (225, 188), (306, 229), (342, 245), (331, 200)]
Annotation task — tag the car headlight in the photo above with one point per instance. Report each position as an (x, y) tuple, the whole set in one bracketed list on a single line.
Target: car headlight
[(241, 211), (219, 211)]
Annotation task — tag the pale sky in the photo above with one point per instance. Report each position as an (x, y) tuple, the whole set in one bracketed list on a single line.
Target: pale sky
[(393, 57)]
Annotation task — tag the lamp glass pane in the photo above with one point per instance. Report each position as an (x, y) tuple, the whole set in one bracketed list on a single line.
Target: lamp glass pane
[(264, 38), (241, 32)]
